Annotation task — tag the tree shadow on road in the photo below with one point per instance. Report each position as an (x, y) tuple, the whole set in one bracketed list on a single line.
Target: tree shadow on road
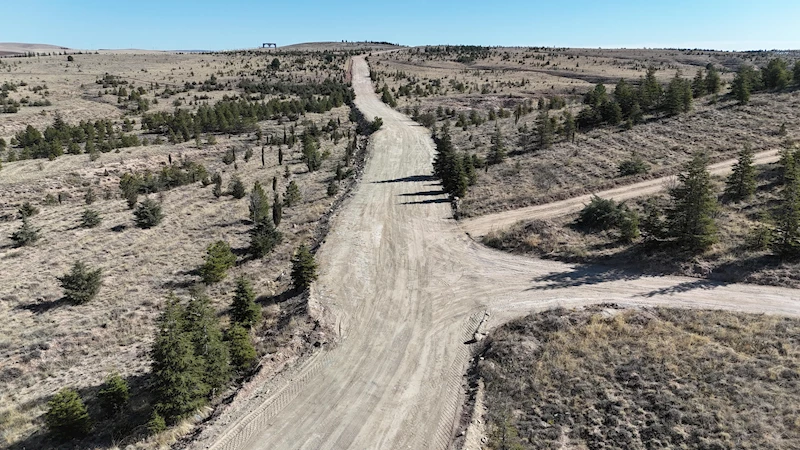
[(684, 287), (427, 202), (408, 179), (582, 275), (422, 193)]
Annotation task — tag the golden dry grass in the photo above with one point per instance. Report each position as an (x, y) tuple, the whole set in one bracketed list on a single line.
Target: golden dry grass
[(606, 377), (46, 345)]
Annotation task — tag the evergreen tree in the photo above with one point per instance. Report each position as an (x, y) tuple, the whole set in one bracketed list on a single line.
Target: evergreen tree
[(219, 258), (236, 188), (468, 163), (130, 185), (25, 235), (741, 183), (177, 373), (311, 154), (497, 152), (776, 75), (263, 239), (744, 83), (678, 97), (699, 85), (90, 218), (244, 309), (796, 73), (259, 204), (211, 353), (90, 196), (243, 354), (114, 394), (27, 210), (650, 90), (570, 127), (787, 233), (277, 210), (81, 284), (625, 97), (304, 268), (292, 196), (156, 424), (713, 81), (690, 219), (66, 415), (546, 128), (148, 214)]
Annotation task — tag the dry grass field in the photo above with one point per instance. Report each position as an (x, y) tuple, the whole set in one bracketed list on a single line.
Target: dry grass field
[(610, 377), (47, 344), (494, 78)]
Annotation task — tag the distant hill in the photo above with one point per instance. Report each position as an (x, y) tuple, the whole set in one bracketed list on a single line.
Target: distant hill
[(321, 46), (18, 48)]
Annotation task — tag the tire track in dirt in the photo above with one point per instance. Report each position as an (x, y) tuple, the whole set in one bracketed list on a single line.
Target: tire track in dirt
[(483, 225)]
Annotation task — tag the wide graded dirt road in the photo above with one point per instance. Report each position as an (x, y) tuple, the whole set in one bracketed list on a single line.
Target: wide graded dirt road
[(482, 225), (407, 289)]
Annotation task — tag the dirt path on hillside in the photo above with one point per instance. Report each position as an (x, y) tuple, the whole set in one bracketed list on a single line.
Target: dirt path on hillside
[(481, 226), (407, 288)]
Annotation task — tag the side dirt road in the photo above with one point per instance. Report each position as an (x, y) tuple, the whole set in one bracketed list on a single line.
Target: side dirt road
[(482, 225), (407, 289)]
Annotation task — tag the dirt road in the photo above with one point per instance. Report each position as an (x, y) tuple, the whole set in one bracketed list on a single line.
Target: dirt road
[(481, 226), (407, 288)]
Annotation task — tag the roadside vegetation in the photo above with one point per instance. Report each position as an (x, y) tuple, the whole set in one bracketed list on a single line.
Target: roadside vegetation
[(609, 377), (157, 253)]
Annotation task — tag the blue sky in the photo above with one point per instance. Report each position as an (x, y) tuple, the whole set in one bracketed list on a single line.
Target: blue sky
[(228, 24)]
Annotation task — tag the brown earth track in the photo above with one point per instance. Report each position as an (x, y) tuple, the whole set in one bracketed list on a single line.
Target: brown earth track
[(406, 288)]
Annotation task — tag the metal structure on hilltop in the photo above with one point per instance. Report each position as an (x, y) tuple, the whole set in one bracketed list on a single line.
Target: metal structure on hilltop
[(269, 44)]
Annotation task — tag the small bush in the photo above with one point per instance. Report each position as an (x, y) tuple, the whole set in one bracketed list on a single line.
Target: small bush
[(633, 166), (333, 188), (28, 210), (292, 196), (600, 215), (219, 258), (25, 235), (243, 354), (90, 197), (114, 394), (81, 284), (90, 218), (66, 415), (236, 188), (148, 214), (263, 238), (156, 424)]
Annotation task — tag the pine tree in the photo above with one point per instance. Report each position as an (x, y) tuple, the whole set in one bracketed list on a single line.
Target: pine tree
[(570, 127), (776, 75), (304, 268), (546, 129), (202, 328), (148, 214), (90, 218), (90, 196), (744, 83), (219, 258), (277, 210), (497, 152), (699, 85), (650, 91), (25, 235), (787, 233), (713, 82), (741, 183), (796, 73), (177, 372), (292, 196), (114, 394), (263, 239), (468, 163), (690, 219), (243, 354), (259, 204), (81, 284), (244, 309), (66, 415), (27, 210), (236, 188)]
